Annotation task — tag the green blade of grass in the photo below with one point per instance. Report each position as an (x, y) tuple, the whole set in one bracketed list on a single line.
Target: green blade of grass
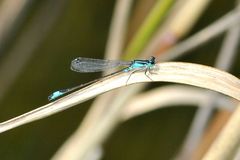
[(148, 27)]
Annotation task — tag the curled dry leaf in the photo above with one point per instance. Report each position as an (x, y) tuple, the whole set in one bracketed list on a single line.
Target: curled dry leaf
[(178, 72)]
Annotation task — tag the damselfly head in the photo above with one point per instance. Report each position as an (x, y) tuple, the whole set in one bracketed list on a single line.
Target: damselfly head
[(152, 60)]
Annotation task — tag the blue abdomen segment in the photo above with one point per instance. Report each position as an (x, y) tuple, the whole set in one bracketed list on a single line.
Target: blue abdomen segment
[(56, 94)]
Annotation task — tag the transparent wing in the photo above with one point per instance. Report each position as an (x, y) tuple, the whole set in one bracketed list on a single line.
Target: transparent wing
[(81, 64)]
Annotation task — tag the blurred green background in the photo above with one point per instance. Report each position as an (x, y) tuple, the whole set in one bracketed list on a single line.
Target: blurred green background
[(80, 28)]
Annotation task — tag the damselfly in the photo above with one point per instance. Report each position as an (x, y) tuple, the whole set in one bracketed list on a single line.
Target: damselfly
[(87, 65)]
